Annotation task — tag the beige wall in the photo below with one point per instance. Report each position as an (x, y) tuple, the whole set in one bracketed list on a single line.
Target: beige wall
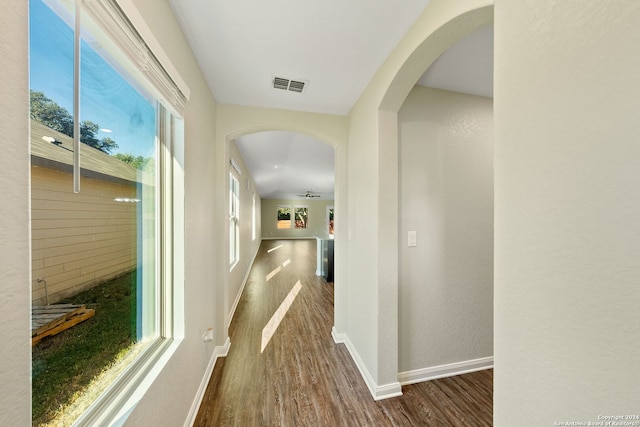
[(567, 165), (445, 289), (78, 240), (15, 317), (317, 219), (248, 246)]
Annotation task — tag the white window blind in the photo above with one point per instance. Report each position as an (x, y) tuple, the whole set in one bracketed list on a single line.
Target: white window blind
[(127, 40)]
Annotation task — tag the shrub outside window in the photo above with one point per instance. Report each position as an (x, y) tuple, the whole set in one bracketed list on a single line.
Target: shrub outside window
[(284, 217), (299, 219), (301, 216), (330, 220)]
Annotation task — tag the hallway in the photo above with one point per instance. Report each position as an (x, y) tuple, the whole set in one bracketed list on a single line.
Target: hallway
[(291, 373)]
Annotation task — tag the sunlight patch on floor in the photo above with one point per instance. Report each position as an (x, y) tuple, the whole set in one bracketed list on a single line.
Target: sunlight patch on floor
[(273, 249), (277, 270), (273, 273), (277, 317)]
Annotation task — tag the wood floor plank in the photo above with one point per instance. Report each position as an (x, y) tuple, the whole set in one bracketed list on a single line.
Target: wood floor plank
[(302, 378)]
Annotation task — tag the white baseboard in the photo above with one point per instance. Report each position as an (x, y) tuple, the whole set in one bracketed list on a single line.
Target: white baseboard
[(290, 238), (236, 301), (219, 351), (337, 337), (388, 391), (378, 392), (443, 371)]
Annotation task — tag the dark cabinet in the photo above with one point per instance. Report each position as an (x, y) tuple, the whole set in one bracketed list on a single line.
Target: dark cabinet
[(327, 259)]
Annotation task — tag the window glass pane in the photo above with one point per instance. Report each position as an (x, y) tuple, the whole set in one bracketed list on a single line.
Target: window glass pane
[(232, 242), (331, 221), (302, 216), (97, 249), (234, 224), (253, 217), (51, 67), (284, 217), (231, 195), (118, 133)]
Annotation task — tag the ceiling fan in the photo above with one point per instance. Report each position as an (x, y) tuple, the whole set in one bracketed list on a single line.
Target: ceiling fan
[(309, 195)]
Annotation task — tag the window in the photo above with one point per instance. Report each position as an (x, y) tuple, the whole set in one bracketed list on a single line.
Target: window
[(103, 139), (284, 216), (301, 216), (330, 220), (234, 222), (253, 217)]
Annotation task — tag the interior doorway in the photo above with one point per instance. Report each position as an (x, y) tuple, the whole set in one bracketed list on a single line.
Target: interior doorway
[(445, 205)]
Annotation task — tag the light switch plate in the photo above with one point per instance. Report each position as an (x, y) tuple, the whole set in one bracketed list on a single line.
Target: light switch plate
[(412, 239)]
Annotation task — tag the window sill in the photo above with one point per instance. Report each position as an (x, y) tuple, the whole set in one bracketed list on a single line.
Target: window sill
[(115, 405)]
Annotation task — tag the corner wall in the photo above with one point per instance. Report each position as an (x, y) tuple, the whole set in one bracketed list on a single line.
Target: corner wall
[(567, 165), (15, 241), (445, 288)]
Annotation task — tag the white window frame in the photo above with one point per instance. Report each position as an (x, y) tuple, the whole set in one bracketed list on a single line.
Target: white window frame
[(234, 220), (113, 406), (253, 217)]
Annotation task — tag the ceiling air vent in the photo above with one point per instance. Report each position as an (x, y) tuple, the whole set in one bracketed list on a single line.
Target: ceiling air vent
[(290, 85), (280, 83), (295, 86)]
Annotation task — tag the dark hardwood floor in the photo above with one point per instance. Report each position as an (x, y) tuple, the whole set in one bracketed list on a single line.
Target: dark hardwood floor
[(302, 378)]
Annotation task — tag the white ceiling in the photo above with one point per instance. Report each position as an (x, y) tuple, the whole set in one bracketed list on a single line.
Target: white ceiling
[(285, 165), (465, 67), (335, 46)]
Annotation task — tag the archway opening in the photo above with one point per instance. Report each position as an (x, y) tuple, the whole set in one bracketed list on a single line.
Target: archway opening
[(445, 205), (440, 32), (287, 185), (291, 169)]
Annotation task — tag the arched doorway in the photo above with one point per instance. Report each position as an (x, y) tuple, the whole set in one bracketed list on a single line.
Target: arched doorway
[(400, 100), (237, 121), (287, 181), (373, 162), (445, 187)]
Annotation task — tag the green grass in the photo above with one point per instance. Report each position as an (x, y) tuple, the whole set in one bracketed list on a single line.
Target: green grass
[(64, 365)]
